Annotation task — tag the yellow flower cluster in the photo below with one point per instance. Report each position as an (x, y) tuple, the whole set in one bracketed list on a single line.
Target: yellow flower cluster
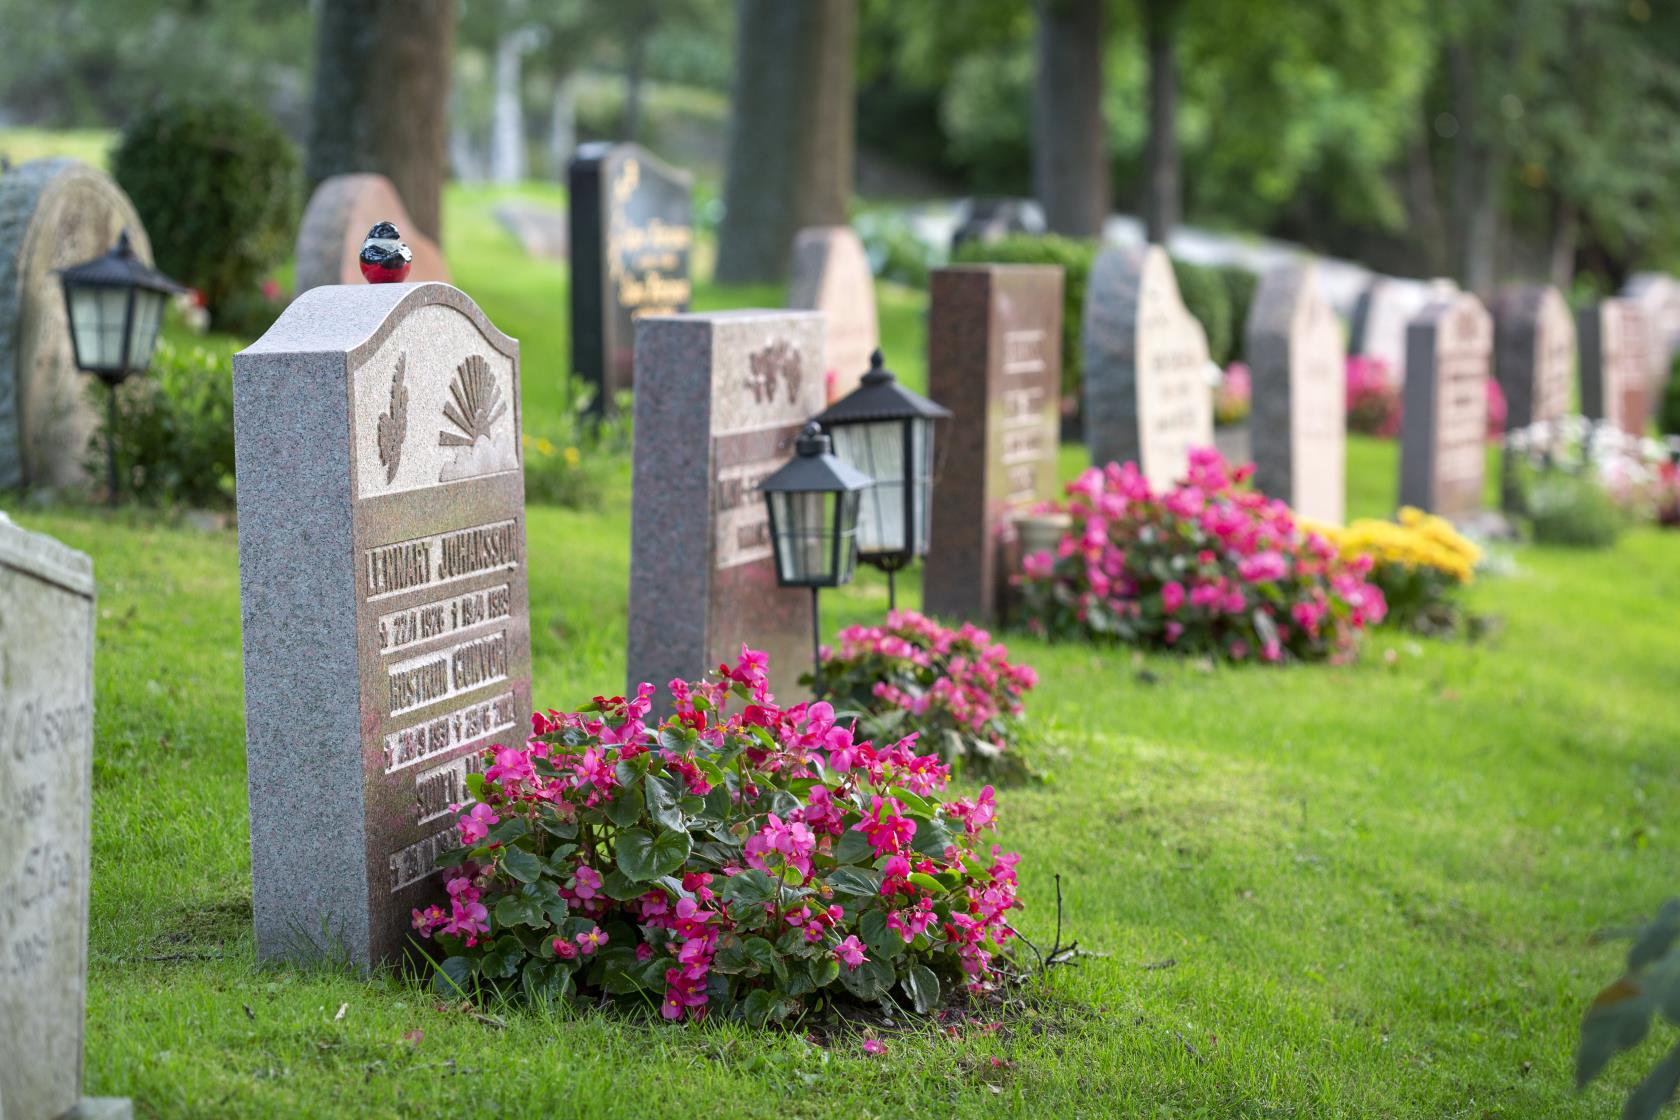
[(1419, 540)]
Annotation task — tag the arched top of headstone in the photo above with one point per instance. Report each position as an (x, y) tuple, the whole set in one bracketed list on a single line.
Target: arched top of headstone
[(1288, 299), (336, 222), (617, 151), (1462, 317), (356, 318)]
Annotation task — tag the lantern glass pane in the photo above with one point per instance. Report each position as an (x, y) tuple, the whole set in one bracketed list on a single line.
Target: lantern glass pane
[(850, 504), (148, 315), (97, 316), (877, 449), (805, 523), (922, 489)]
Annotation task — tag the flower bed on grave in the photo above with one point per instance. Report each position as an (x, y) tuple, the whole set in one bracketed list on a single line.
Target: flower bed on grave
[(752, 863), (1208, 566), (954, 688), (1419, 561)]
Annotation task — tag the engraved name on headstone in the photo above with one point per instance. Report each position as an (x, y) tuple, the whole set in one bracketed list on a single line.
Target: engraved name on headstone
[(46, 775), (1293, 345), (830, 273), (336, 222), (1534, 354), (721, 399), (1616, 341), (382, 571), (53, 213), (631, 234), (1442, 455), (995, 360), (1147, 398)]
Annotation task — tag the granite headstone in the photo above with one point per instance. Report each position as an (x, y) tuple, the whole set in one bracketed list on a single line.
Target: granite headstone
[(53, 213), (1147, 395), (995, 360), (336, 222), (1659, 294), (46, 777), (631, 235), (830, 273), (1381, 315), (1293, 343), (382, 571), (1534, 354), (722, 397), (1616, 385), (1442, 459)]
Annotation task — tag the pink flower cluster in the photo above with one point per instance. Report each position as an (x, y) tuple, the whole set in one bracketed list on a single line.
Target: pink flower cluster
[(1375, 408), (1208, 565)]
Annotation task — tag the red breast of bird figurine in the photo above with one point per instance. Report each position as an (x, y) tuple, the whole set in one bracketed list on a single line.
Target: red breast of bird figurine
[(384, 258)]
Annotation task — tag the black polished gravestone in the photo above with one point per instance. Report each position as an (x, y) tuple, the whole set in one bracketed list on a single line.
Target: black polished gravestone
[(631, 233)]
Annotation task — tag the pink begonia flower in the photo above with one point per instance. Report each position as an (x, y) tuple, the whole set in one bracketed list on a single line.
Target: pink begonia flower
[(644, 953), (874, 1047), (1263, 567), (564, 949), (1174, 631), (1038, 565), (850, 952), (1172, 596), (586, 882), (591, 940), (475, 825)]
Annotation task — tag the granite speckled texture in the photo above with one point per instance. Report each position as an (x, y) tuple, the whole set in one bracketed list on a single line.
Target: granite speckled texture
[(1146, 366), (994, 360), (830, 273), (719, 400), (336, 222), (1534, 353), (1616, 341), (46, 772), (383, 593), (53, 213), (1293, 346), (1448, 350)]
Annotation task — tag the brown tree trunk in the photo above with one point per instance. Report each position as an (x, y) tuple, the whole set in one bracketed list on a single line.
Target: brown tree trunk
[(633, 84), (1163, 197), (1424, 206), (1476, 179), (381, 97), (1070, 143), (791, 143)]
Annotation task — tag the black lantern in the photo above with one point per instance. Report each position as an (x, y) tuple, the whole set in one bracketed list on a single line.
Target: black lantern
[(115, 304), (886, 431), (813, 503)]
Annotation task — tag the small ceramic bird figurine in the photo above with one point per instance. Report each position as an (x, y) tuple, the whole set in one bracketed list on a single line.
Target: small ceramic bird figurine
[(385, 259)]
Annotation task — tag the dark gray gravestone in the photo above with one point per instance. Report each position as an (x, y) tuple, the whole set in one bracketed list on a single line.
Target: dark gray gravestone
[(46, 775), (995, 360), (1534, 354), (1147, 396), (382, 573), (722, 397), (1616, 364), (53, 213), (631, 233), (1442, 456), (1381, 314), (1293, 343)]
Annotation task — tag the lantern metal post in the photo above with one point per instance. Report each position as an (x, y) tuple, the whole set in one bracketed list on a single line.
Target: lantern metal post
[(887, 432), (813, 505), (114, 304)]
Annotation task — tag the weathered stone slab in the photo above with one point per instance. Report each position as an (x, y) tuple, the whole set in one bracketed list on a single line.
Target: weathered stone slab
[(721, 398), (382, 571), (53, 213), (1442, 438), (1616, 343), (46, 775), (631, 234), (1381, 316), (336, 222), (1534, 354), (830, 273), (541, 230), (1147, 396), (1293, 344), (995, 360)]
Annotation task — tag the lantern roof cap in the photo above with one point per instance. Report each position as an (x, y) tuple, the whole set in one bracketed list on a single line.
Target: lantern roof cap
[(814, 469), (880, 397), (119, 268)]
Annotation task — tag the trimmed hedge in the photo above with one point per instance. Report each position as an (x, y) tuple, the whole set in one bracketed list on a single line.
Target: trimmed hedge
[(1240, 284), (1203, 292)]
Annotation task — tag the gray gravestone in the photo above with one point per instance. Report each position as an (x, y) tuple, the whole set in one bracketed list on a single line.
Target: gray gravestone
[(1444, 431), (1534, 354), (995, 360), (53, 213), (1147, 396), (46, 775), (1616, 342), (720, 398), (1381, 315), (336, 222), (830, 273), (1293, 344), (382, 572)]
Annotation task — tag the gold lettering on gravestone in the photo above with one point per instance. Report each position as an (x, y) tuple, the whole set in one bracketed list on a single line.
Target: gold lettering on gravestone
[(645, 262)]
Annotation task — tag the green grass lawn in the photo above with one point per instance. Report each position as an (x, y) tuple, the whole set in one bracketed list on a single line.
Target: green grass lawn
[(1315, 892)]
